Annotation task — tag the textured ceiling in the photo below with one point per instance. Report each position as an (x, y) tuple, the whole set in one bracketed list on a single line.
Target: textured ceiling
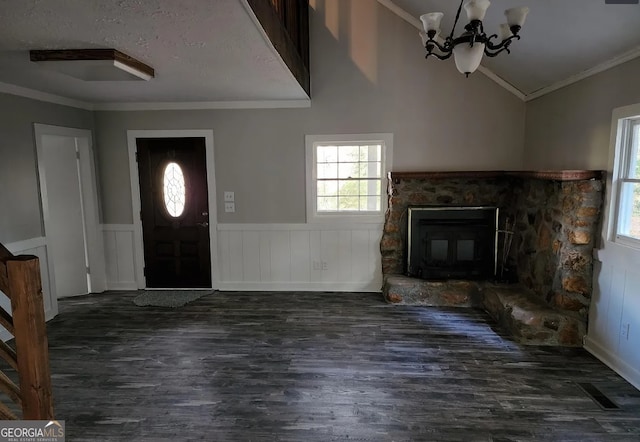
[(213, 51), (560, 38), (202, 51)]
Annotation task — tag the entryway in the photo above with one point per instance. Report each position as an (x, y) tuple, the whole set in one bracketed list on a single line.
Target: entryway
[(173, 195)]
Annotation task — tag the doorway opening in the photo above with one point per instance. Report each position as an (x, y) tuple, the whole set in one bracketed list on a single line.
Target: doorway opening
[(173, 199)]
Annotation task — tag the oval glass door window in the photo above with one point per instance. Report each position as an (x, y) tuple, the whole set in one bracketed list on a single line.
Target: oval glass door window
[(173, 189)]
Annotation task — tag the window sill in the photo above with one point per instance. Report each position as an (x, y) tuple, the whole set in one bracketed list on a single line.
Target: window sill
[(346, 218)]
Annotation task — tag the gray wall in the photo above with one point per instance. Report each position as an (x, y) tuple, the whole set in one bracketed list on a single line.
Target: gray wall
[(20, 216), (570, 128), (368, 75)]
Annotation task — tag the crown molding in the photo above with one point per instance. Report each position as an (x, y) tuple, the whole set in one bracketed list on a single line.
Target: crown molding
[(20, 91), (33, 94), (203, 105), (613, 62), (413, 21)]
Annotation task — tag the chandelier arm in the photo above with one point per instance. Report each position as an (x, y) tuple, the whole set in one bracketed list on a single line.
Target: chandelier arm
[(503, 44), (438, 56), (446, 48), (493, 54)]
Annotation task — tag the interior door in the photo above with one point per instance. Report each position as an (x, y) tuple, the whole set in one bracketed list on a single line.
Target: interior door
[(64, 217), (174, 212)]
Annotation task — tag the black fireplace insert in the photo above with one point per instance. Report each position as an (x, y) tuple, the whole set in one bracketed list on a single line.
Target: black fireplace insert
[(452, 242)]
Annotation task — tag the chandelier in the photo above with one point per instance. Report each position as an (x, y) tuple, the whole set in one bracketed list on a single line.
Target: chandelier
[(473, 43)]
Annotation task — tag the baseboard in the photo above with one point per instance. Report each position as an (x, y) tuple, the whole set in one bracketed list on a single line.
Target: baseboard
[(631, 374), (333, 286), (122, 285)]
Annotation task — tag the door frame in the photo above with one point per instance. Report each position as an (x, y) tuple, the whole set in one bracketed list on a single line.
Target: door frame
[(138, 245), (88, 187)]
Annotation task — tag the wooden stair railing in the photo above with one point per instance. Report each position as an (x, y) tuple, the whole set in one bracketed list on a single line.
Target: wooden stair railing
[(20, 281)]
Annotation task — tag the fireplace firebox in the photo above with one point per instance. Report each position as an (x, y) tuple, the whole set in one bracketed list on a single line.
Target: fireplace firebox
[(452, 242)]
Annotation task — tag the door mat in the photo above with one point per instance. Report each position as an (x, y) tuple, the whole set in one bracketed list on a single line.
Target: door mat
[(169, 298)]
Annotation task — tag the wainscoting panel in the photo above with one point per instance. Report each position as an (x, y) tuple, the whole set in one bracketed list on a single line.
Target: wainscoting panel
[(314, 257), (119, 256), (614, 322), (37, 247)]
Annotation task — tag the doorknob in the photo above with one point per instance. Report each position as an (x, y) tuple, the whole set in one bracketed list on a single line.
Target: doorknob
[(204, 224), (205, 213)]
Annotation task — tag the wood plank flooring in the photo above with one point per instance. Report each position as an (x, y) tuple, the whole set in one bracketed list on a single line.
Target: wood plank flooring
[(318, 367)]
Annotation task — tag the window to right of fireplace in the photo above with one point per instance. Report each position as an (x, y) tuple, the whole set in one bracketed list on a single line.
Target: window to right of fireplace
[(626, 180)]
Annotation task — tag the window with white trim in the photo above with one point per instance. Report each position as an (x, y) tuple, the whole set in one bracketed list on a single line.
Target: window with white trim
[(346, 176), (627, 178)]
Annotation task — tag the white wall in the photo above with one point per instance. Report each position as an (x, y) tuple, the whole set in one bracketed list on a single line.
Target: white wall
[(614, 317), (571, 129), (119, 256), (300, 257)]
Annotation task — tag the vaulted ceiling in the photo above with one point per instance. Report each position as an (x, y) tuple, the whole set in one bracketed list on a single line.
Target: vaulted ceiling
[(215, 51)]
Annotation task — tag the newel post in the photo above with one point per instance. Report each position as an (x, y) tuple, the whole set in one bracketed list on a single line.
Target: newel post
[(25, 286)]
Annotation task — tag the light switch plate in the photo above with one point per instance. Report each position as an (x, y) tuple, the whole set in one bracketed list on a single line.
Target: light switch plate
[(229, 207), (229, 196)]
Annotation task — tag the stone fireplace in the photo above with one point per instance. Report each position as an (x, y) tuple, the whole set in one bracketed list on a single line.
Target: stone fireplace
[(554, 217)]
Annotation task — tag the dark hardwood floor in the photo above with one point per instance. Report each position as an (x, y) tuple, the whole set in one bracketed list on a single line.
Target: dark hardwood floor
[(318, 367)]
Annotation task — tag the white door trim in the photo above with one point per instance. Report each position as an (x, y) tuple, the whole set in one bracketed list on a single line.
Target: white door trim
[(207, 134), (93, 236)]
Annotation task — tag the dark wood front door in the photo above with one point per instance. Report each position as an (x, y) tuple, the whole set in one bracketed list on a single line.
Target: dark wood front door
[(175, 212)]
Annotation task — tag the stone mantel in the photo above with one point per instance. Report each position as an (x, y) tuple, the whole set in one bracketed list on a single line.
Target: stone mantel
[(553, 175)]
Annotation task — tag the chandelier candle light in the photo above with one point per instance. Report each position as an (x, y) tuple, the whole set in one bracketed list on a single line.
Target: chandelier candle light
[(473, 43)]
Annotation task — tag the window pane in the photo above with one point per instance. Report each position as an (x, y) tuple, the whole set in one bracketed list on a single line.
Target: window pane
[(327, 188), (173, 189), (327, 203), (372, 169), (327, 170), (348, 154), (349, 203), (370, 203), (348, 188), (349, 170), (634, 153), (327, 154), (370, 187), (629, 214), (371, 153)]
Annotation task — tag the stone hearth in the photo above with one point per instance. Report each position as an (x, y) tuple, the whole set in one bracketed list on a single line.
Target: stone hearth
[(554, 216)]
